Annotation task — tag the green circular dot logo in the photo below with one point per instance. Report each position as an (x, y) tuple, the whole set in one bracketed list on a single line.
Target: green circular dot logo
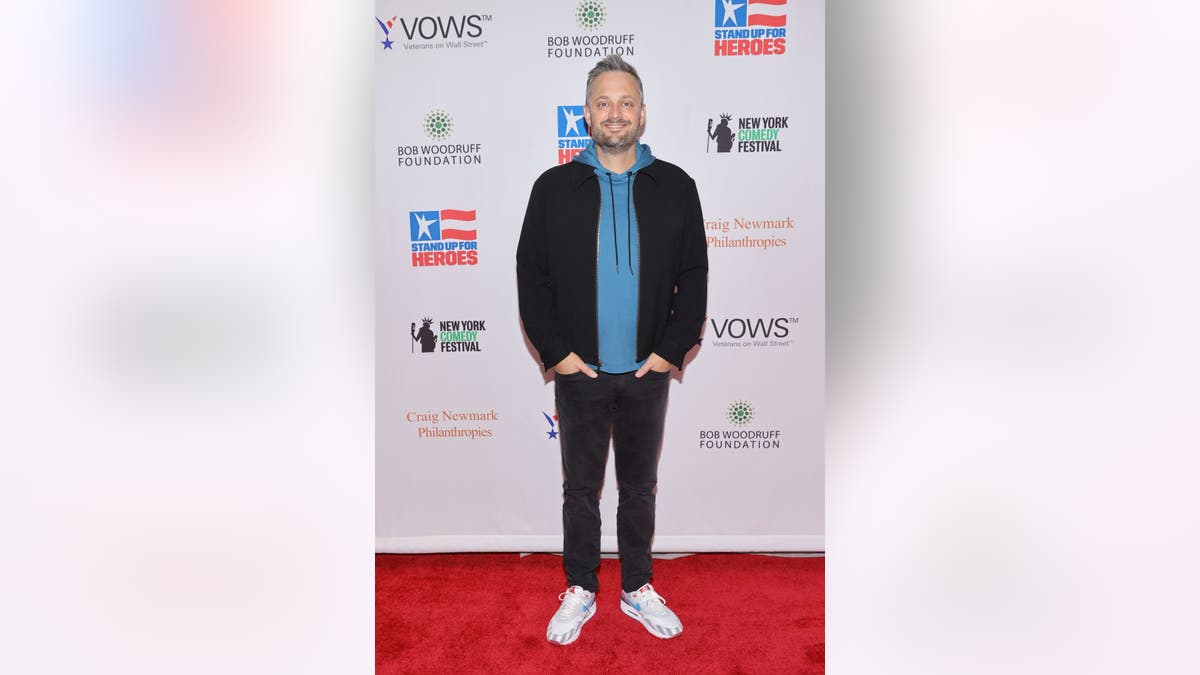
[(590, 14), (740, 413), (438, 125)]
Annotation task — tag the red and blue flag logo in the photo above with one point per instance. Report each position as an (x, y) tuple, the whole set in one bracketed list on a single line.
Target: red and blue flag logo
[(750, 27), (442, 225), (733, 14)]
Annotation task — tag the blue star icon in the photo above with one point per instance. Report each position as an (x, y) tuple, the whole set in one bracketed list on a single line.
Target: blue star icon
[(552, 434), (387, 44), (731, 11), (572, 122)]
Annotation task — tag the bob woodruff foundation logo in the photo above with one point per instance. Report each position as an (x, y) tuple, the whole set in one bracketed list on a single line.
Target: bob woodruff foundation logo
[(740, 435), (438, 126), (740, 413), (590, 14), (590, 17)]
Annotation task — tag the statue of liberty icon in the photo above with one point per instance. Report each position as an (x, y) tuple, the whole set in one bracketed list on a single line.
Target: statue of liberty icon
[(723, 134), (425, 336)]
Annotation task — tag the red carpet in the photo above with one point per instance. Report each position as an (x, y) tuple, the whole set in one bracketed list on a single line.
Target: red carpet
[(487, 613)]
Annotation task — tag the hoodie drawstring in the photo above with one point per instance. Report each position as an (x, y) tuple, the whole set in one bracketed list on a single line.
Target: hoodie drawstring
[(628, 222)]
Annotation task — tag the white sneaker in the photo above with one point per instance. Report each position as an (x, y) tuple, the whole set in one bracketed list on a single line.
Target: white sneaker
[(648, 607), (577, 607)]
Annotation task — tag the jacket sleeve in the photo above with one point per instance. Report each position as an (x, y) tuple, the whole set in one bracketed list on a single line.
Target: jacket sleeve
[(689, 303), (536, 294)]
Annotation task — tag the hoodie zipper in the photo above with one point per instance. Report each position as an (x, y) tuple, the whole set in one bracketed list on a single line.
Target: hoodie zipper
[(637, 317), (596, 271)]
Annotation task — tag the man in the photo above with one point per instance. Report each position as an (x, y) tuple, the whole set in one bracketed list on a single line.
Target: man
[(612, 274)]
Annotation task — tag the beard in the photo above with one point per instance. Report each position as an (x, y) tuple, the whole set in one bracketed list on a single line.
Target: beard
[(617, 142)]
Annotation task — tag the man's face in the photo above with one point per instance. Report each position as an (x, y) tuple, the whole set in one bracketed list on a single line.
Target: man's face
[(614, 111)]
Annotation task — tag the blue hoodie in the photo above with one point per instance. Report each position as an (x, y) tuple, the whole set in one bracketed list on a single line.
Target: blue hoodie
[(617, 263)]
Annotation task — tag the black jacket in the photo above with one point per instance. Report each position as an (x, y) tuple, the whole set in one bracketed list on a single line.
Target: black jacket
[(556, 263)]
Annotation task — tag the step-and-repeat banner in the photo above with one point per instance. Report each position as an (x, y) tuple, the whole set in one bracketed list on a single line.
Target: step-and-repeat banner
[(474, 100)]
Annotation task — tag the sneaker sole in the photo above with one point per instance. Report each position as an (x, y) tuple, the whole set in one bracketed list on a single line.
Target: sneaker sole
[(633, 613), (575, 634)]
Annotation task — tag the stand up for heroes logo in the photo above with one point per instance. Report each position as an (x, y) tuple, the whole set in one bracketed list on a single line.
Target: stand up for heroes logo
[(750, 27), (443, 238), (573, 134)]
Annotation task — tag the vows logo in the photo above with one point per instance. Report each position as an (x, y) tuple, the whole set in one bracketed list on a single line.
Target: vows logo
[(434, 27), (751, 328)]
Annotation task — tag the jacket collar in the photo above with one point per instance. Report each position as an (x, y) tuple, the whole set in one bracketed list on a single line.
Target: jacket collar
[(582, 172)]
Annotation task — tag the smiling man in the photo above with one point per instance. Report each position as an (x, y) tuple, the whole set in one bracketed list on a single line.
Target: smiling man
[(612, 277)]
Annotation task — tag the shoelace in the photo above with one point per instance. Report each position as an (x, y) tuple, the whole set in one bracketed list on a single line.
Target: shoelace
[(572, 603), (648, 599)]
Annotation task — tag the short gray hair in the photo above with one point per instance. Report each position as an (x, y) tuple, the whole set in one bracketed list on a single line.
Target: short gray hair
[(612, 63)]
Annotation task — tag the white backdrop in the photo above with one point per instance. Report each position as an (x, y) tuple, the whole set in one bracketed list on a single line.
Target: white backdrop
[(466, 459)]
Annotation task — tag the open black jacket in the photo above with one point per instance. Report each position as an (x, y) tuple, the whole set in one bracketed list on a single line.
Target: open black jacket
[(556, 263)]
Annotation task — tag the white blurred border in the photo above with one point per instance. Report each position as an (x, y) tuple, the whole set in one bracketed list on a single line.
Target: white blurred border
[(187, 272), (1011, 422)]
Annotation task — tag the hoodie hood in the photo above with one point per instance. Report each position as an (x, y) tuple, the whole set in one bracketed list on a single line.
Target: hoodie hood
[(588, 157)]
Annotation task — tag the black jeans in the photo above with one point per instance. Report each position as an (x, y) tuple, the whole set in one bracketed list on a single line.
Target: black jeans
[(630, 411)]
